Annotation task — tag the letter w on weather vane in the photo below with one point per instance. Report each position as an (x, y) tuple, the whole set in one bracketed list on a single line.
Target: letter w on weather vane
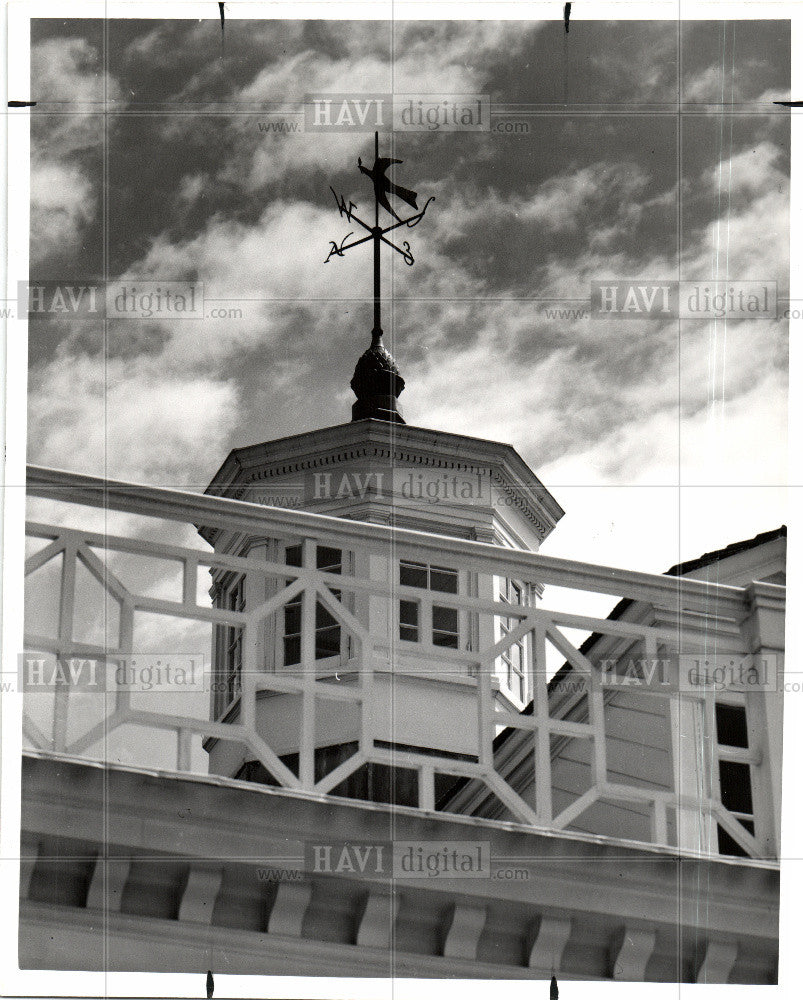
[(383, 187)]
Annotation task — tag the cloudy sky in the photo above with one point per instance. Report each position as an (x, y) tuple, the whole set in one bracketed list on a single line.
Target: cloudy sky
[(660, 440)]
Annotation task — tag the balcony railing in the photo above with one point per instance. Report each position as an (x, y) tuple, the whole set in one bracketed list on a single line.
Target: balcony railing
[(669, 618)]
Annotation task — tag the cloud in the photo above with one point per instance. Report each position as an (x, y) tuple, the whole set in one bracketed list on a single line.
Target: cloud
[(661, 440), (263, 270), (460, 347), (70, 80), (192, 187), (638, 62), (62, 204), (128, 420), (359, 58), (607, 397), (722, 84), (714, 446), (66, 144), (516, 223), (559, 203)]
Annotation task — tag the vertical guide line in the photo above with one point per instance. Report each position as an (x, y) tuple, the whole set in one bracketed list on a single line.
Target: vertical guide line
[(679, 224), (393, 561), (103, 854), (728, 224)]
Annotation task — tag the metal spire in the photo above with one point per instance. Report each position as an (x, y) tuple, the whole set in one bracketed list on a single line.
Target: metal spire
[(377, 382), (383, 187)]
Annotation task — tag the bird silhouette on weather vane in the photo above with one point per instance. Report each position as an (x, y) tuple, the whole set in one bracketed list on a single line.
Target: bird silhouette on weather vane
[(384, 189)]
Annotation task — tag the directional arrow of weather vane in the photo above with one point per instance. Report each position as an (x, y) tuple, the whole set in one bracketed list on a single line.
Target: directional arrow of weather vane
[(383, 187)]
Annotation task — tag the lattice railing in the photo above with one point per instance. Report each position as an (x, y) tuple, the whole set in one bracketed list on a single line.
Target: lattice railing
[(375, 653)]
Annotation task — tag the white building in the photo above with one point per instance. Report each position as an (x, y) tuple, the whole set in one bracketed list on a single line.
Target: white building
[(383, 691)]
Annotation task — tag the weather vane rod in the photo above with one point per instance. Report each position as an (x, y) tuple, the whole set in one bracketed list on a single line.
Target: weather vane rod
[(383, 187)]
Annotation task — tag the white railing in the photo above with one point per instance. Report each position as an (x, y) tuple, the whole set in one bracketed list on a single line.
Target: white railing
[(675, 616)]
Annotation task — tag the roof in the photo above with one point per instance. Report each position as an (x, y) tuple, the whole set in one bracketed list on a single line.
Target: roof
[(680, 570), (386, 442), (460, 446), (730, 550)]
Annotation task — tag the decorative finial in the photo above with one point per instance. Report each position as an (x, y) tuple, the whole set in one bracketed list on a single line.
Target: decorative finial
[(376, 381)]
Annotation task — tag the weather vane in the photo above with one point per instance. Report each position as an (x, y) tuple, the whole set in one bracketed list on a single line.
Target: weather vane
[(383, 187)]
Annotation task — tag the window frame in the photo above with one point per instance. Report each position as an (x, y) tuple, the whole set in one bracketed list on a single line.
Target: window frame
[(408, 609), (730, 755), (321, 624), (230, 596), (506, 659)]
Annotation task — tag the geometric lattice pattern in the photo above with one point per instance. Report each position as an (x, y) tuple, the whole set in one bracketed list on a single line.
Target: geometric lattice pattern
[(375, 651)]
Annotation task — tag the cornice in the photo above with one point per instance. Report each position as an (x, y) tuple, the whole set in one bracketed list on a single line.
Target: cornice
[(366, 440), (183, 824)]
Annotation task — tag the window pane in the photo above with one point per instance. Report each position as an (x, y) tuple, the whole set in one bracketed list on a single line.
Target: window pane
[(734, 784), (732, 725), (292, 619), (328, 559), (323, 619), (327, 642), (442, 579), (447, 639), (409, 633), (444, 619), (292, 649), (408, 613), (727, 845), (235, 598), (515, 657), (413, 575)]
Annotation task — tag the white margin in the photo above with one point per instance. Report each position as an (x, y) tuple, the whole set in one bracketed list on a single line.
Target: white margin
[(36, 983)]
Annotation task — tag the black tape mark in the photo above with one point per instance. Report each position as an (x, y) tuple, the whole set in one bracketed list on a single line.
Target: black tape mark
[(210, 982), (222, 9), (789, 104), (567, 13), (22, 104), (553, 986)]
